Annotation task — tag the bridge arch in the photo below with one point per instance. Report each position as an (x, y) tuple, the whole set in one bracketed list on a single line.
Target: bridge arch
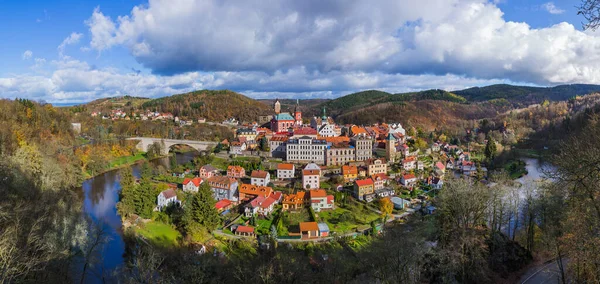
[(166, 144)]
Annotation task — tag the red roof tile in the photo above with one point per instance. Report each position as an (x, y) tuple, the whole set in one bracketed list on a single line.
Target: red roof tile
[(244, 229), (363, 182), (259, 174)]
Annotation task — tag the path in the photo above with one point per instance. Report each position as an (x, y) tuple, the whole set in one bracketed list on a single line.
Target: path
[(547, 273)]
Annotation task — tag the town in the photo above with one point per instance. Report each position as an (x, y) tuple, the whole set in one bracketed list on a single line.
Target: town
[(322, 179)]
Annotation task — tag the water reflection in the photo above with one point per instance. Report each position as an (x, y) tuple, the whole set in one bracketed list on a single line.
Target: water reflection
[(101, 195)]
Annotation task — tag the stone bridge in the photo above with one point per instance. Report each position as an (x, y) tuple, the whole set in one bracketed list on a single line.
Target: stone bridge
[(144, 142)]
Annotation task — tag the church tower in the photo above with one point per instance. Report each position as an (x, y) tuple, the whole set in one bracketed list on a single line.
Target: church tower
[(390, 148), (298, 113), (277, 106), (324, 117)]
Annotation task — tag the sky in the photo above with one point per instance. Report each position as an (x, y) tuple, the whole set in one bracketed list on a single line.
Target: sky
[(65, 51)]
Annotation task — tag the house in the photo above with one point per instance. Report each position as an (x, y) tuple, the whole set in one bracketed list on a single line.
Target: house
[(223, 205), (277, 146), (435, 147), (223, 188), (237, 147), (440, 166), (309, 230), (167, 197), (323, 229), (408, 180), (420, 165), (399, 203), (376, 166), (379, 180), (311, 178), (261, 178), (384, 192), (294, 201), (319, 200), (277, 195), (405, 150), (435, 182), (409, 163), (208, 171), (350, 173), (236, 172), (363, 187), (249, 191), (192, 184), (468, 168), (450, 164), (245, 231), (260, 205), (285, 171)]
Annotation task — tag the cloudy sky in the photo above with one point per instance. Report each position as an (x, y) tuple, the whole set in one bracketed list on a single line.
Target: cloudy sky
[(66, 51)]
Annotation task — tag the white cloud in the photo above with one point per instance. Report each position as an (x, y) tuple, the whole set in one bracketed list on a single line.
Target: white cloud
[(462, 37), (27, 55), (552, 9), (73, 38)]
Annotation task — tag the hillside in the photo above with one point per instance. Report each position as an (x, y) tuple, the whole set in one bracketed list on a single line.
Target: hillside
[(365, 99), (526, 95), (212, 105), (308, 107), (117, 102)]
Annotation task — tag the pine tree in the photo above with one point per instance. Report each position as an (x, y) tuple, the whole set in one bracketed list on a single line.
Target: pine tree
[(490, 149), (201, 209)]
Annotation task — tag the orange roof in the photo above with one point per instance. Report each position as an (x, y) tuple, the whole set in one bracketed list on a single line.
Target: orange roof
[(256, 190), (308, 226), (259, 174), (337, 140), (281, 138), (288, 167), (358, 130), (349, 170), (169, 193), (363, 182), (408, 176), (219, 181), (317, 193), (197, 181), (381, 176), (297, 198), (311, 172), (409, 159), (236, 169), (244, 229), (222, 203)]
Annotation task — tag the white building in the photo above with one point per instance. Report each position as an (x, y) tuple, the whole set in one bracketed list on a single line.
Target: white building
[(260, 178), (192, 184), (311, 176), (167, 197), (305, 150), (285, 171)]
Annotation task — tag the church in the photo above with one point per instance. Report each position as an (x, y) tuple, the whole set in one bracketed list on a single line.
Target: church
[(282, 121)]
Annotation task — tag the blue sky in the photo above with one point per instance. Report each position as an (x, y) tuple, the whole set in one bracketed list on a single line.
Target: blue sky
[(76, 51)]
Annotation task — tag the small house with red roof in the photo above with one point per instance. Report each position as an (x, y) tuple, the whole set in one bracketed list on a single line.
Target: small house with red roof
[(245, 231), (236, 172), (224, 204), (439, 165), (309, 230), (363, 187), (192, 184), (408, 180), (319, 200), (285, 171), (208, 171), (260, 178)]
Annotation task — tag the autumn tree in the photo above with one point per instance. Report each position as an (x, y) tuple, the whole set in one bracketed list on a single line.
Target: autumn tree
[(385, 206)]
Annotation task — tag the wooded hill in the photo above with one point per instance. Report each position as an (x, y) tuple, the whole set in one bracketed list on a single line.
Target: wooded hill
[(212, 105)]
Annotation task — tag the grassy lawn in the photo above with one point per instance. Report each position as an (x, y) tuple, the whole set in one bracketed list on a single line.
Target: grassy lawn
[(344, 220), (126, 160), (325, 185), (294, 218), (264, 225), (219, 163), (159, 234)]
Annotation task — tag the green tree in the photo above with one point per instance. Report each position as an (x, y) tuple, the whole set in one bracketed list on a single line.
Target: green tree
[(218, 148), (201, 209), (490, 149), (264, 144)]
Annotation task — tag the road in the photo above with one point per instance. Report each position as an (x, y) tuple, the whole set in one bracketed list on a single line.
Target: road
[(547, 273)]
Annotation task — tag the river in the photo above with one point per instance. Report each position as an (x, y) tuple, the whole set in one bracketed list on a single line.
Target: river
[(100, 196)]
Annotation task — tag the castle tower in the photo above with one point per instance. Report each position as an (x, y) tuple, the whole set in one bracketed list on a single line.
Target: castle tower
[(324, 117), (390, 148), (277, 106), (298, 113)]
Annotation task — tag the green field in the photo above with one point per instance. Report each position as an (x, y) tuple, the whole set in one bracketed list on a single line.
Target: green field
[(159, 234), (344, 220), (126, 160)]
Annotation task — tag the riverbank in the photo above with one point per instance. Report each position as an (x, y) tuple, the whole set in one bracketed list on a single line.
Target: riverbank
[(122, 162)]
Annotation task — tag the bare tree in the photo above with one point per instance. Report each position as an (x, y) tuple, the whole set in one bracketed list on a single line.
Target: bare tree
[(590, 10)]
